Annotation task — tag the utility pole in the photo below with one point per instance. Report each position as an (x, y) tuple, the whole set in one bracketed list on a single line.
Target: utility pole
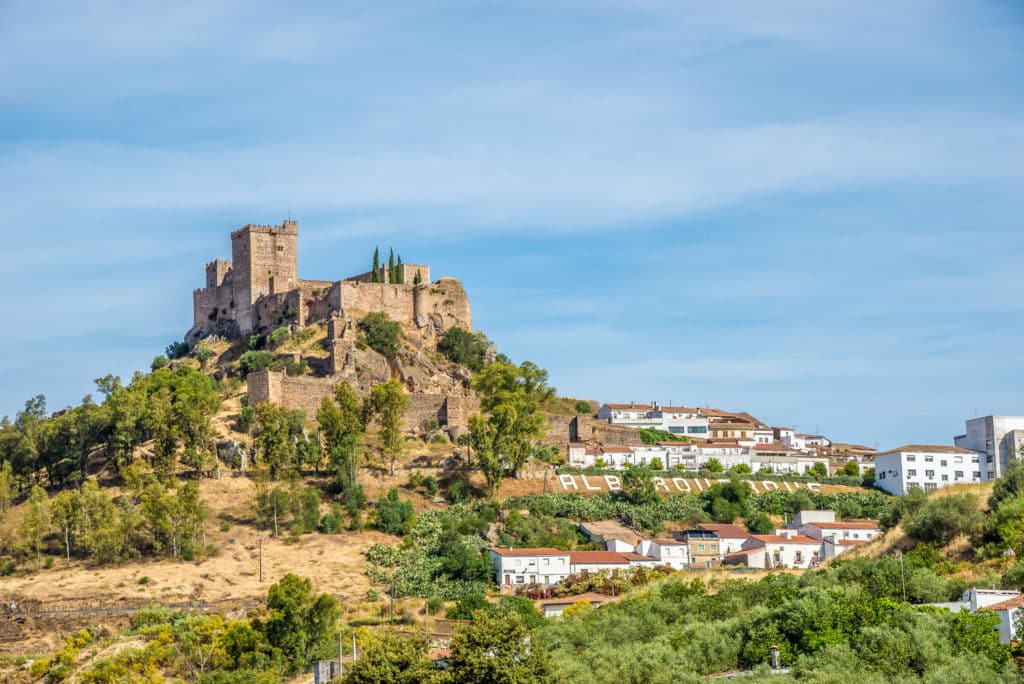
[(341, 654), (353, 646), (259, 541), (903, 577)]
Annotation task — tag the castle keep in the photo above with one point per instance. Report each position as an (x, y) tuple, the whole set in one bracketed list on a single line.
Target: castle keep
[(259, 289)]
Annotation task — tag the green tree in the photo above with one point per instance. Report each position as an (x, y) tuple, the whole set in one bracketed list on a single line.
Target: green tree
[(299, 623), (66, 511), (392, 512), (850, 469), (375, 271), (273, 438), (759, 523), (35, 522), (464, 347), (818, 470), (713, 465), (382, 334), (203, 354), (498, 649), (7, 485), (391, 266), (638, 487), (387, 657), (511, 425), (388, 401), (418, 278)]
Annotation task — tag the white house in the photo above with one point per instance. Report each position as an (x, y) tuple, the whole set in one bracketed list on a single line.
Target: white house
[(682, 420), (785, 550), (823, 524), (782, 460), (832, 547), (730, 537), (927, 467), (526, 566), (1010, 616), (556, 607), (630, 415), (999, 440), (667, 552), (596, 561)]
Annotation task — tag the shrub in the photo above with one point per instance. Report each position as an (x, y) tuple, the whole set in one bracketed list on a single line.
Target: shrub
[(458, 492), (759, 523), (434, 605), (438, 438), (653, 436), (656, 464), (392, 513), (245, 419), (277, 338), (740, 469), (372, 595), (583, 406), (713, 466), (939, 520), (465, 347), (252, 361), (203, 354), (225, 526), (159, 362), (143, 580), (176, 350), (381, 333), (431, 485)]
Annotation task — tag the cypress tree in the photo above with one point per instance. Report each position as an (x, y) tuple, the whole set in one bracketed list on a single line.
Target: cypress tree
[(399, 271), (391, 266), (418, 278), (375, 277)]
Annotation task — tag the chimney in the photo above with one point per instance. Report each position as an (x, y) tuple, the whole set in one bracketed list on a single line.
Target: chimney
[(773, 653)]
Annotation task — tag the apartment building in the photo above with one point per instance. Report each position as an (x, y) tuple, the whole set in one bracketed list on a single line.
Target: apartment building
[(927, 467)]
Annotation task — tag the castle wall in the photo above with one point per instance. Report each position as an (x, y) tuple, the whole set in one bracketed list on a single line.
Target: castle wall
[(445, 301), (307, 393), (318, 299), (276, 310), (216, 271), (361, 298)]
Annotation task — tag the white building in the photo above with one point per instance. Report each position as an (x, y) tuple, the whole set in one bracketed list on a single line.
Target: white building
[(823, 524), (730, 537), (556, 607), (805, 442), (927, 467), (630, 415), (787, 550), (679, 420), (670, 552), (998, 438), (596, 561), (1010, 612), (527, 566), (783, 460)]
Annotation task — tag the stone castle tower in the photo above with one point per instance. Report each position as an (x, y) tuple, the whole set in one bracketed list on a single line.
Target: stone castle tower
[(259, 289)]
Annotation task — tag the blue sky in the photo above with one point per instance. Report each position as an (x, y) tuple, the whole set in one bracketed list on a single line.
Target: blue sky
[(809, 211)]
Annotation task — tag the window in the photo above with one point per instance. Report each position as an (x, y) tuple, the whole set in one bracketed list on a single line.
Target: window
[(929, 486), (959, 474), (280, 248), (547, 561), (911, 458), (697, 429), (929, 473), (700, 547), (944, 463), (977, 475), (911, 473), (929, 458), (958, 459), (945, 478), (881, 475)]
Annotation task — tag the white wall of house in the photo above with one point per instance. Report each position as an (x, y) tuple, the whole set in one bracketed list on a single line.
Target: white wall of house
[(598, 567), (789, 553), (517, 568), (998, 438), (673, 553), (929, 468), (618, 545), (853, 532)]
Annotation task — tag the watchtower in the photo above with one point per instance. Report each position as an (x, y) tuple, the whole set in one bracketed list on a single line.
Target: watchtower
[(265, 261)]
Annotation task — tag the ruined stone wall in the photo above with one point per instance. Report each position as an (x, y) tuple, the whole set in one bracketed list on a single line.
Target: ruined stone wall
[(590, 429), (317, 300), (306, 393), (211, 304), (408, 274), (276, 310), (358, 299), (445, 301), (216, 271)]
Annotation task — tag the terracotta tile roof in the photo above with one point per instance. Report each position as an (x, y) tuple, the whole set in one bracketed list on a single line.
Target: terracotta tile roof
[(804, 435), (744, 552), (929, 448), (776, 539), (1015, 602), (847, 525), (598, 557), (725, 530), (590, 597), (773, 447), (529, 552), (630, 556), (668, 542), (780, 428), (679, 409), (630, 407)]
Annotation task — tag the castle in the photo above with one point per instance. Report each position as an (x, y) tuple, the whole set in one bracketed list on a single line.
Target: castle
[(259, 289)]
